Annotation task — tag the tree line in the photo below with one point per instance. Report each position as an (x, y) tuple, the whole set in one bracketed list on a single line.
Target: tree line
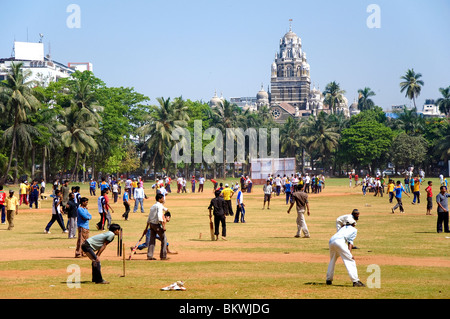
[(79, 128)]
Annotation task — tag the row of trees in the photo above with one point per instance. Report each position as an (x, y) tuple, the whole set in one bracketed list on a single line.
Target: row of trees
[(79, 127)]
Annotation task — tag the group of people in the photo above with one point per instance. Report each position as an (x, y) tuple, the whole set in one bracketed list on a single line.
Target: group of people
[(411, 185), (287, 185), (67, 200)]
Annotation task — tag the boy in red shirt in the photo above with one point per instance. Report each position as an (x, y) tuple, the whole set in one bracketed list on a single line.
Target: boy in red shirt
[(2, 204), (429, 197)]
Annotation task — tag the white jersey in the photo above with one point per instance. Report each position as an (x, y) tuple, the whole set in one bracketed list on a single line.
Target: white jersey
[(343, 220), (239, 198), (345, 234)]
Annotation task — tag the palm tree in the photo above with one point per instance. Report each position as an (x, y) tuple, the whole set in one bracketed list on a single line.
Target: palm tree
[(83, 95), (444, 102), (321, 137), (161, 122), (411, 84), (77, 133), (225, 116), (334, 95), (442, 149), (364, 100), (410, 121), (290, 137), (17, 98)]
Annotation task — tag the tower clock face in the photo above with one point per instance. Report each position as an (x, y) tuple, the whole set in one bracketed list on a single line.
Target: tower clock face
[(276, 113)]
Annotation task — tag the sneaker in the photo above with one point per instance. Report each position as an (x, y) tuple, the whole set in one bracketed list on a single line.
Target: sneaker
[(223, 238), (297, 236), (165, 258), (152, 258), (47, 232), (329, 282), (104, 282), (65, 231), (358, 284)]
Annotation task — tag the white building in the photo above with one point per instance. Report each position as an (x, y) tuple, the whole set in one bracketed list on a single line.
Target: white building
[(43, 69), (430, 109)]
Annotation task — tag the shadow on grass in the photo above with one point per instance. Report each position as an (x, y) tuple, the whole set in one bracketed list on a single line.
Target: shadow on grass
[(322, 284)]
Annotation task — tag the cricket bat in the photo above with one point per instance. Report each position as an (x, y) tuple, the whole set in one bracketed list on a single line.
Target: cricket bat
[(211, 228), (135, 247)]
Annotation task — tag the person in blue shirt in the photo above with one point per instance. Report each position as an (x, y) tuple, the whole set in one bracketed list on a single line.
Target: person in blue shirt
[(126, 205), (398, 190), (287, 190), (104, 185), (92, 187), (83, 218)]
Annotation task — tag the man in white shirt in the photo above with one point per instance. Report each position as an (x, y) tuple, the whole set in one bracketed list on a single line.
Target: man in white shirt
[(128, 187), (201, 182), (179, 184), (341, 244), (249, 184), (163, 191), (139, 198), (157, 224), (343, 220), (267, 189), (307, 182), (278, 184)]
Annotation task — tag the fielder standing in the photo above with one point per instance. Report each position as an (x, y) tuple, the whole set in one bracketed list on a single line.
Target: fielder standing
[(300, 198)]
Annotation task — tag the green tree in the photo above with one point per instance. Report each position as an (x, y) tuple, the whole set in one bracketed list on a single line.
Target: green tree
[(18, 99), (444, 102), (321, 137), (410, 121), (364, 100), (366, 143), (408, 150), (224, 117), (334, 95), (411, 85), (78, 131), (162, 120)]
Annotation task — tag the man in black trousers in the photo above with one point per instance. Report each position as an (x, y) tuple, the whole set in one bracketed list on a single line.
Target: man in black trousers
[(219, 206), (94, 246)]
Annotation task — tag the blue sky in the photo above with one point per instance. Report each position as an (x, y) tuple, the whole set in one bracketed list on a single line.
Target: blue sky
[(192, 48)]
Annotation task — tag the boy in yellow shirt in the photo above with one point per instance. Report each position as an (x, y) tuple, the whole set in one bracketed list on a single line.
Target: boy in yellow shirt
[(12, 208), (23, 190), (416, 190), (390, 190), (227, 193)]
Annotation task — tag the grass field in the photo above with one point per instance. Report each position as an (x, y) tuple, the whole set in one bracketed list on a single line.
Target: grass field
[(261, 259)]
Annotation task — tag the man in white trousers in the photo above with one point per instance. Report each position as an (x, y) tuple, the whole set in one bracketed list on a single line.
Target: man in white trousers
[(341, 244)]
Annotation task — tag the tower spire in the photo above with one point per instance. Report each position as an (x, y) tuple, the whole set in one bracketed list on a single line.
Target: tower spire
[(290, 25)]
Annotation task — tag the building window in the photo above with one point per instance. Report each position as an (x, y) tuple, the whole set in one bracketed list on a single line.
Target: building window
[(276, 113)]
